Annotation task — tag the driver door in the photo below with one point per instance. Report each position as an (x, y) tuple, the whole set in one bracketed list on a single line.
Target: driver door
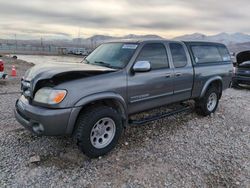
[(154, 88)]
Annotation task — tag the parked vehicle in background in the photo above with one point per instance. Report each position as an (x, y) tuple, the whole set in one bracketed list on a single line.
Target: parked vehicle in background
[(94, 101), (78, 51), (2, 74), (242, 69)]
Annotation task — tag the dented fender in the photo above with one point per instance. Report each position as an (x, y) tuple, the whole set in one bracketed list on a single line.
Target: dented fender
[(102, 96)]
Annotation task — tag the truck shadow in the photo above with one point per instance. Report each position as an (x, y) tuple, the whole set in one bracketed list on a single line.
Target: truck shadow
[(137, 135), (62, 152)]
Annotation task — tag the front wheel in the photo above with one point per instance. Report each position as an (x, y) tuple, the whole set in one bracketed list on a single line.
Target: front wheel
[(209, 103), (98, 131)]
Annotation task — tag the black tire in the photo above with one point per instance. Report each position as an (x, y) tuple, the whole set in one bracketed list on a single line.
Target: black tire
[(86, 122), (202, 103)]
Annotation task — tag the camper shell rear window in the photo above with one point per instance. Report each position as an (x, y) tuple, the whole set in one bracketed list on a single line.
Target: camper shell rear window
[(210, 53)]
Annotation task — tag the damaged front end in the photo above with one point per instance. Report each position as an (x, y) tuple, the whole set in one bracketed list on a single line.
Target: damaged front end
[(43, 108), (52, 75)]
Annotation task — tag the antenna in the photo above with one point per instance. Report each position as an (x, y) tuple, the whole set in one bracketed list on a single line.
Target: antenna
[(15, 49), (15, 41), (79, 32), (41, 41)]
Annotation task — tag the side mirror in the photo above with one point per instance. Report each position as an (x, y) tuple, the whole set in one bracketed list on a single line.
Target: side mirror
[(142, 66)]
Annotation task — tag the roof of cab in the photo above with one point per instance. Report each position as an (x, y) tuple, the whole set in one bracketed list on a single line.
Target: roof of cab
[(165, 40), (203, 43), (138, 40)]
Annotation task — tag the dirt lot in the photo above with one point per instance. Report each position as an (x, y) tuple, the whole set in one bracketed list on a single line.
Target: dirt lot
[(181, 151)]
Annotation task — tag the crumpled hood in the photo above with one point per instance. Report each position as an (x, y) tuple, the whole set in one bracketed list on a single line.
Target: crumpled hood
[(243, 57), (57, 73), (47, 71)]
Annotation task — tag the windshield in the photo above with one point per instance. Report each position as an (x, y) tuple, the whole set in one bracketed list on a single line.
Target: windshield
[(112, 55)]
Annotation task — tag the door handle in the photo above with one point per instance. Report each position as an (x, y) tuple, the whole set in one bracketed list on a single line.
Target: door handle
[(168, 76), (178, 74)]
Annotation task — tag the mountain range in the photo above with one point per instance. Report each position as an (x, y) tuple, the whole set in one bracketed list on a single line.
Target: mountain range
[(225, 38), (98, 39), (235, 41)]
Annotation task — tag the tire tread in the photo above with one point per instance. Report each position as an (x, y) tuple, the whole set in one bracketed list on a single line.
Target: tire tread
[(84, 127)]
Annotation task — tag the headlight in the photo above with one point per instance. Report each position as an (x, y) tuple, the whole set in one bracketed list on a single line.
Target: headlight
[(48, 95)]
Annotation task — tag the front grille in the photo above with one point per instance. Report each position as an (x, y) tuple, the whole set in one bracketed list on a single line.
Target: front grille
[(243, 72)]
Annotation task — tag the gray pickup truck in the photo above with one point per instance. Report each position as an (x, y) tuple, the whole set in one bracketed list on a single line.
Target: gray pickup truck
[(93, 101)]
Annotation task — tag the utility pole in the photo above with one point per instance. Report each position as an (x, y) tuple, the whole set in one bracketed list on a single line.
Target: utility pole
[(79, 35), (42, 44), (41, 41), (15, 44), (92, 43)]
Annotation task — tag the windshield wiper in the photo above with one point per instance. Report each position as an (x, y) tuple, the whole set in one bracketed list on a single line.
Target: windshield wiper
[(106, 65)]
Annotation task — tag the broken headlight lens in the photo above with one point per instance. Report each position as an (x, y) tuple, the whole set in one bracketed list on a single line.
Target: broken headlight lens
[(48, 95)]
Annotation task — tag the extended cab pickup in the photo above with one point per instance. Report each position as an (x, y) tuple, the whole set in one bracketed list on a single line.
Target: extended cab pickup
[(92, 101)]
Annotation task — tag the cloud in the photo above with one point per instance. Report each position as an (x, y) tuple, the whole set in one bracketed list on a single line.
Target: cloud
[(165, 17)]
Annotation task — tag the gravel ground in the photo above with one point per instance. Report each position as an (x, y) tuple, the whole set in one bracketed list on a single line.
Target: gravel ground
[(185, 150)]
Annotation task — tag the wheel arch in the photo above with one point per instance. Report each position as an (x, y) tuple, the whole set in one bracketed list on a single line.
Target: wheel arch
[(216, 81), (108, 98)]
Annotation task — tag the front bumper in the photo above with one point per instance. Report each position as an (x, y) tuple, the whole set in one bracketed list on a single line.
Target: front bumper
[(241, 80), (42, 121)]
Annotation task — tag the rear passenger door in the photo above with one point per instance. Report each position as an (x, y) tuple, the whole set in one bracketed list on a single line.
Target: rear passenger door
[(183, 71)]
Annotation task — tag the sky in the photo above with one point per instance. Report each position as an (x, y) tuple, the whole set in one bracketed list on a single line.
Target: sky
[(28, 19)]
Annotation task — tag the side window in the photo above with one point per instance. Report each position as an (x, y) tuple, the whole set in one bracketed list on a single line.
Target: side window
[(178, 54), (156, 54), (206, 54), (224, 53)]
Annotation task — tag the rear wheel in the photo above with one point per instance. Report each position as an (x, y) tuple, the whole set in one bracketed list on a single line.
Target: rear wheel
[(209, 103), (98, 131)]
